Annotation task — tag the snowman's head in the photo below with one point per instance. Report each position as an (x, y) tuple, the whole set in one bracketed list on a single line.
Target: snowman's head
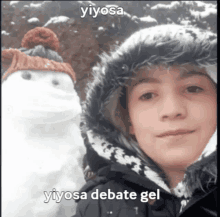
[(44, 84), (38, 53)]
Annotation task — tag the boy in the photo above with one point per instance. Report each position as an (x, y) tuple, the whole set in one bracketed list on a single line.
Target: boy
[(150, 119)]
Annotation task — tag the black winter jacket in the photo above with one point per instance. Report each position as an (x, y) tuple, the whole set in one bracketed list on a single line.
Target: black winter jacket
[(119, 168)]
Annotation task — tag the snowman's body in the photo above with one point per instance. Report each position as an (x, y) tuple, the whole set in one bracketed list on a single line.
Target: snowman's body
[(40, 154)]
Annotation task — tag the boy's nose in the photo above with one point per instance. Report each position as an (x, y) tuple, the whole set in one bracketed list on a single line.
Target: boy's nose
[(172, 108)]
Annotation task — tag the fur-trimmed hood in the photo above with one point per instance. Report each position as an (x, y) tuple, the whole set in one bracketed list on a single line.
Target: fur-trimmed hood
[(110, 77)]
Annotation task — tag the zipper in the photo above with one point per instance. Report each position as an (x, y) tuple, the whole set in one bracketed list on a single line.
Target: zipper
[(136, 210)]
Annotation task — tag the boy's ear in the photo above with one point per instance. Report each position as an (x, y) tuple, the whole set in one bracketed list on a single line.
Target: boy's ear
[(131, 129), (131, 132)]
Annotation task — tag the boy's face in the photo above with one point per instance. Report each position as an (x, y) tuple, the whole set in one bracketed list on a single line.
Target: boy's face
[(173, 113)]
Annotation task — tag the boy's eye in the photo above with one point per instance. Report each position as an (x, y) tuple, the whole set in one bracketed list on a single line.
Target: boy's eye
[(194, 89), (147, 96)]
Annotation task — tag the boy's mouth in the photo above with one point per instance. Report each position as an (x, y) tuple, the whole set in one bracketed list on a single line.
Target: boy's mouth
[(175, 133)]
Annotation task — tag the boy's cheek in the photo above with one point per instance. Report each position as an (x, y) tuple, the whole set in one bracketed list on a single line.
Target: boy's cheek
[(204, 112)]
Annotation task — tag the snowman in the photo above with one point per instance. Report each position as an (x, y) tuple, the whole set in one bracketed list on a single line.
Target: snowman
[(42, 147)]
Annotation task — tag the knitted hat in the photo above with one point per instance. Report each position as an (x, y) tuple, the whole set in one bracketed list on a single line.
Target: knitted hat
[(38, 52)]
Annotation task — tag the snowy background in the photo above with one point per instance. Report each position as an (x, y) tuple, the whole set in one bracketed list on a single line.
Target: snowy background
[(82, 40)]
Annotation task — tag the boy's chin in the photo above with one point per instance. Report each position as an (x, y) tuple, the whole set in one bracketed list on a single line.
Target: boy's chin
[(178, 162)]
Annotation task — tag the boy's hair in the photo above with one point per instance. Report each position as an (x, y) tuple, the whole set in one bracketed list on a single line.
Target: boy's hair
[(166, 45)]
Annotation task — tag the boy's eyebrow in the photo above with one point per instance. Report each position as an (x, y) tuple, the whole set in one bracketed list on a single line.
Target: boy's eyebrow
[(183, 75), (146, 80), (191, 73)]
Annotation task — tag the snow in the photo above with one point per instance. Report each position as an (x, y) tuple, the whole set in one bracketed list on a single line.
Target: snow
[(174, 5), (111, 6), (211, 6), (60, 19), (204, 14), (33, 20), (185, 22), (208, 12), (13, 3), (148, 19), (160, 6), (127, 14), (34, 5), (4, 32), (195, 14), (91, 3), (135, 18), (101, 28), (12, 23), (189, 3), (200, 4)]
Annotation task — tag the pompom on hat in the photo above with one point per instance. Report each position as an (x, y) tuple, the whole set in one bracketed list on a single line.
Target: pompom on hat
[(14, 59)]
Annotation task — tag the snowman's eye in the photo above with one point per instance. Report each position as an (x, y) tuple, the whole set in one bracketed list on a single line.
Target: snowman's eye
[(26, 75), (55, 82)]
